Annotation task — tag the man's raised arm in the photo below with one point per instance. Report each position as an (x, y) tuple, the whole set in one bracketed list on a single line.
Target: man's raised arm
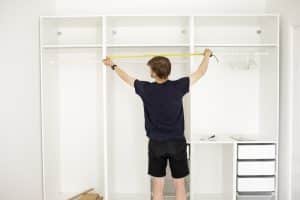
[(121, 73), (195, 76)]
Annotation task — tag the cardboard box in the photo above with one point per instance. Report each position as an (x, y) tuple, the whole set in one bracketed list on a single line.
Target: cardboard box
[(91, 196)]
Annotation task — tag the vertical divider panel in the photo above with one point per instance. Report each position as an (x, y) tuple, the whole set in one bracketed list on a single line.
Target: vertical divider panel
[(42, 107), (104, 96), (234, 170), (278, 105), (192, 49)]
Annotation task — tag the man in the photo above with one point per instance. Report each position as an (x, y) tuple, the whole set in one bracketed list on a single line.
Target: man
[(164, 119)]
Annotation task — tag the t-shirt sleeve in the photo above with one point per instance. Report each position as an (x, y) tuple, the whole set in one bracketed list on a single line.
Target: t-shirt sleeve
[(183, 85), (139, 87)]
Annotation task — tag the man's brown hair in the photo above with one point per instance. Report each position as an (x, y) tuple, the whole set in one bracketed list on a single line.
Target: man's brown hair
[(161, 66)]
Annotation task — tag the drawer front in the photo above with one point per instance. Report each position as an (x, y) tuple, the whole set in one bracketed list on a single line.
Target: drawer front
[(256, 168), (256, 151), (255, 197), (264, 184)]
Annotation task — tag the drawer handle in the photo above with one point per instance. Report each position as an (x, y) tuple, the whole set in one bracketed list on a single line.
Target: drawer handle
[(248, 160), (262, 144), (256, 176)]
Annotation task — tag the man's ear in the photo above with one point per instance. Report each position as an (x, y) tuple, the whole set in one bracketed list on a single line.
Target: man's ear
[(153, 75)]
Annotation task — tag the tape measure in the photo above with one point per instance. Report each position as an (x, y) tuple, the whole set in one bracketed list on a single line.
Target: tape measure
[(155, 54), (159, 54)]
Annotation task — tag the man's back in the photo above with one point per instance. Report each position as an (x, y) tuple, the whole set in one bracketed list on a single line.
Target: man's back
[(164, 116)]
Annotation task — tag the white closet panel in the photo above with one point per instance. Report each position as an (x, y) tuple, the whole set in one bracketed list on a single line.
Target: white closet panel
[(73, 123), (212, 175), (127, 144), (126, 133), (238, 95), (248, 30), (145, 30), (80, 124), (72, 31), (71, 104)]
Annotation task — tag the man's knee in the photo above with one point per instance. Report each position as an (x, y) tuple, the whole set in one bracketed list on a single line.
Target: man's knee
[(179, 184), (158, 188), (158, 184)]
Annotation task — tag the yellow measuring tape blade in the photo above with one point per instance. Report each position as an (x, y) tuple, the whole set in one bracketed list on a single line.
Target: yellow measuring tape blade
[(156, 54)]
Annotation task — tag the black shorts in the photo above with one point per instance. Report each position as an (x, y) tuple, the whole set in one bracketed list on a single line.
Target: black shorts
[(173, 151)]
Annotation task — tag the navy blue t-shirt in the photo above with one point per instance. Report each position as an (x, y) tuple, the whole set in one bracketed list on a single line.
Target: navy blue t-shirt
[(163, 109)]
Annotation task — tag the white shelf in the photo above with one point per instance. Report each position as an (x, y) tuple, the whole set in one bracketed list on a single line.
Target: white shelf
[(187, 45), (147, 45), (217, 140), (257, 141), (236, 45), (229, 140), (233, 142), (164, 15), (72, 46), (71, 17)]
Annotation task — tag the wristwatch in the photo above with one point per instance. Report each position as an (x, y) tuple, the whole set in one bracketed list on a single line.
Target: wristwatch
[(113, 67)]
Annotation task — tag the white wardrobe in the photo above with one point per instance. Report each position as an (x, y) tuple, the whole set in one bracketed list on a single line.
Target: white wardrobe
[(93, 124)]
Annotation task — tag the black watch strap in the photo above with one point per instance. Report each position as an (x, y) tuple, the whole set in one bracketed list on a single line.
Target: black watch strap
[(113, 67)]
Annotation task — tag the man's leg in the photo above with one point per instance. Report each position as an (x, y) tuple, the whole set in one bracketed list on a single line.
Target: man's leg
[(179, 185), (158, 188)]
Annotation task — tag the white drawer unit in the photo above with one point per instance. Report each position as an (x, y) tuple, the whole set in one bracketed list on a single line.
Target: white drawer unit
[(256, 151), (256, 168), (256, 184)]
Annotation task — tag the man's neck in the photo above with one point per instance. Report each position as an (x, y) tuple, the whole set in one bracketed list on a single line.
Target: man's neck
[(161, 81)]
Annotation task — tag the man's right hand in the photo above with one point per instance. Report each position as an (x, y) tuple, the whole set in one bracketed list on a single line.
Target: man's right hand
[(121, 73), (107, 61)]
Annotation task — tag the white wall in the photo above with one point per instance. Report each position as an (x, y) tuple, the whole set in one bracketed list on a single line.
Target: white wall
[(158, 6), (289, 10), (20, 141)]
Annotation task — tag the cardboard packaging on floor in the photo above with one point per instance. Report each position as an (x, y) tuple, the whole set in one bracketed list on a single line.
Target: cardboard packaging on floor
[(91, 196), (87, 195)]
